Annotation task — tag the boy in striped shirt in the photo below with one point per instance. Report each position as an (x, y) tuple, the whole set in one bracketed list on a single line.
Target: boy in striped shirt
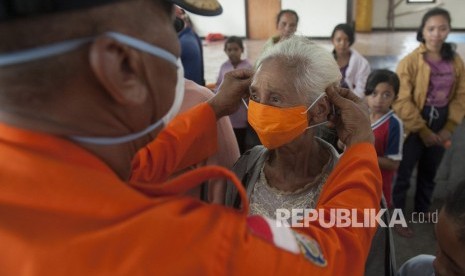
[(381, 90)]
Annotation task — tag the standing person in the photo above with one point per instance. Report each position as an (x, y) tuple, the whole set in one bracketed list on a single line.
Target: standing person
[(354, 69), (431, 104), (79, 102), (234, 47), (191, 50), (353, 66), (381, 91), (286, 25)]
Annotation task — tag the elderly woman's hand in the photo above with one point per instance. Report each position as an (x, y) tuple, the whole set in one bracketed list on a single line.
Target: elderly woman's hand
[(352, 121), (233, 89)]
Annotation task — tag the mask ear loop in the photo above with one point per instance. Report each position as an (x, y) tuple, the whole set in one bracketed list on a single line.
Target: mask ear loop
[(245, 104), (313, 104), (192, 179)]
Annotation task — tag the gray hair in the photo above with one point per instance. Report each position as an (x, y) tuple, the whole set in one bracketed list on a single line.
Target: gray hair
[(315, 67)]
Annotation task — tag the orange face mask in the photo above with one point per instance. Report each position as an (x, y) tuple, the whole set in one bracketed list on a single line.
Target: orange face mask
[(277, 126)]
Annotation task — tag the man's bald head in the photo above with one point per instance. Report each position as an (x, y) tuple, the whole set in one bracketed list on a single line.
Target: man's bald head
[(114, 74), (52, 73), (125, 16), (84, 77)]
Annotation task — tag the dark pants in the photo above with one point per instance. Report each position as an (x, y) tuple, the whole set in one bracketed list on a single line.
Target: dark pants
[(428, 160)]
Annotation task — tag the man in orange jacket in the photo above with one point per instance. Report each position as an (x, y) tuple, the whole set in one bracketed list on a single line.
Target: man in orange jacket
[(84, 86)]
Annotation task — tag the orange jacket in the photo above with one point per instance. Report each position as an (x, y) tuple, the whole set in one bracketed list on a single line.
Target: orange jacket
[(64, 212)]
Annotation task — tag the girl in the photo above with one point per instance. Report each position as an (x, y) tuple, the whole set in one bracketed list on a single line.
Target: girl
[(234, 48), (431, 104), (353, 66)]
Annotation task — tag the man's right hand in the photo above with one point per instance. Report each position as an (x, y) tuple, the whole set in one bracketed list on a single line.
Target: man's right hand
[(233, 89), (352, 120)]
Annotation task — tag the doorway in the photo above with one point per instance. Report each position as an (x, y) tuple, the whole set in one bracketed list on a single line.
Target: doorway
[(261, 18)]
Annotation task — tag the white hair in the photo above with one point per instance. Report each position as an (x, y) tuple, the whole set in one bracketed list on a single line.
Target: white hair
[(315, 67)]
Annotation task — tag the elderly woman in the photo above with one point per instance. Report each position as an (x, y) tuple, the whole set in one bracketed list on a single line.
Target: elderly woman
[(286, 102)]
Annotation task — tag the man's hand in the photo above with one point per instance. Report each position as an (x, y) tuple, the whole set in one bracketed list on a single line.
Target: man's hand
[(233, 89), (352, 121)]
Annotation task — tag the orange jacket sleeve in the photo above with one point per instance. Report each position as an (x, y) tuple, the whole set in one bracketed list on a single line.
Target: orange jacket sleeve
[(355, 185), (190, 138)]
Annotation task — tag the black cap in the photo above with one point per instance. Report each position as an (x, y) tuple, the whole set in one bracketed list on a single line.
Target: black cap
[(201, 7), (12, 9)]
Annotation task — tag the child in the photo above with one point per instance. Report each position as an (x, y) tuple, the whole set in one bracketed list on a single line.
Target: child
[(381, 90), (234, 48)]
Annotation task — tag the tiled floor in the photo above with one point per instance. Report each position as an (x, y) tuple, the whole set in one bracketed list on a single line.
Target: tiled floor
[(383, 50)]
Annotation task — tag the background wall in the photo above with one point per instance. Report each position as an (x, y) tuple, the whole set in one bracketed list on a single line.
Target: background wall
[(319, 17)]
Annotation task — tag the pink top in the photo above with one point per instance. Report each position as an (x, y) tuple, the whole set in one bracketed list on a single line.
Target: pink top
[(440, 83), (239, 118)]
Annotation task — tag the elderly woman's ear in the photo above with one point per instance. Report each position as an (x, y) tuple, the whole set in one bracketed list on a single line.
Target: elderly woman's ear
[(320, 112)]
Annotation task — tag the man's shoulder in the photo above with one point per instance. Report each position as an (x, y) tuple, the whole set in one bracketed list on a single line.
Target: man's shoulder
[(195, 94)]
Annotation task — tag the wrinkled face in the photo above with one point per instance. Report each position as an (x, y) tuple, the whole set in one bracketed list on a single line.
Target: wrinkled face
[(341, 42), (435, 31), (273, 85), (287, 25), (381, 99), (450, 253), (234, 52)]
